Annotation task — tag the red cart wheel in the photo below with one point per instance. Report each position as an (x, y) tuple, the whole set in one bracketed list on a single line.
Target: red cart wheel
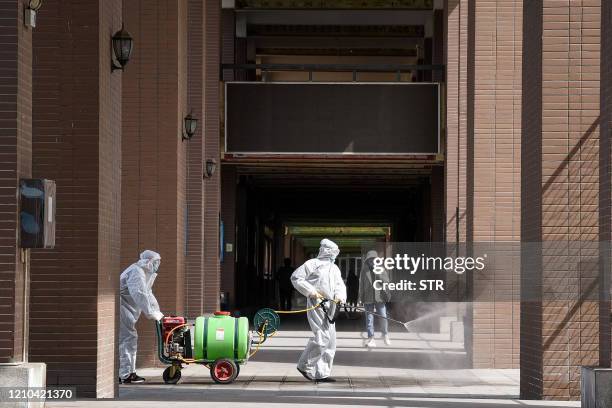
[(224, 371)]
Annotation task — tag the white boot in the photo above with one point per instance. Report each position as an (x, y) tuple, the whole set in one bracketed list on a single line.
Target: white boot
[(387, 339), (370, 343)]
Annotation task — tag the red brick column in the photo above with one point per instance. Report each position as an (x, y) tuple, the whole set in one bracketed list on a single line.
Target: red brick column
[(456, 118), (212, 185), (155, 156), (494, 173), (194, 260), (455, 169), (561, 132), (605, 159), (484, 49), (77, 128), (15, 163)]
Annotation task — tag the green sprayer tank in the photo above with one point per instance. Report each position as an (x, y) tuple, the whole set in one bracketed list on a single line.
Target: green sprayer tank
[(221, 336)]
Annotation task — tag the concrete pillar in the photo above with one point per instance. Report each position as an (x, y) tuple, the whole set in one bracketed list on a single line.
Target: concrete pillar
[(77, 143), (155, 163), (561, 319)]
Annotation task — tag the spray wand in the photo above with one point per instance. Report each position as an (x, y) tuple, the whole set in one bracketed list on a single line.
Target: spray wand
[(405, 324)]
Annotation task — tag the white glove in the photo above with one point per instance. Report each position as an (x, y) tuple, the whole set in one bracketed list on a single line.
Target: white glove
[(315, 295), (157, 316)]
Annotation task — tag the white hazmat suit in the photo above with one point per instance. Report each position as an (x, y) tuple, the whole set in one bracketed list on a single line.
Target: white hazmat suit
[(320, 277), (136, 295)]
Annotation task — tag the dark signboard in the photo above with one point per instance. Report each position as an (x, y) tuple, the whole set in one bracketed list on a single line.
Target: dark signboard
[(332, 118)]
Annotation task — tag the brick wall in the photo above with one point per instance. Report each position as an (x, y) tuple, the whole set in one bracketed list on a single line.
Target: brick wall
[(109, 201), (455, 170), (483, 51), (154, 156), (456, 117), (182, 167), (212, 186), (494, 95), (564, 328), (15, 163), (194, 262), (76, 110), (605, 157), (605, 198)]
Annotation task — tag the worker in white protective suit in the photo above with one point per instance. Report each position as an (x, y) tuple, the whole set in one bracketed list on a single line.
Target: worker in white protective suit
[(136, 296), (317, 279)]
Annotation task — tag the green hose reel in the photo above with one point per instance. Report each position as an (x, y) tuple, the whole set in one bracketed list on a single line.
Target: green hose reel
[(266, 321)]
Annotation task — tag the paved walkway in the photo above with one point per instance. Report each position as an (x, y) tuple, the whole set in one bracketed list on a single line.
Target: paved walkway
[(417, 370)]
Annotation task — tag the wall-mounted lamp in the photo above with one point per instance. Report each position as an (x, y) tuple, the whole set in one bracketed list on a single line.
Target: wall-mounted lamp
[(30, 13), (211, 166), (121, 49), (190, 124)]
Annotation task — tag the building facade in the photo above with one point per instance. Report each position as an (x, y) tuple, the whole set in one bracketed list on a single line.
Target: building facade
[(523, 157)]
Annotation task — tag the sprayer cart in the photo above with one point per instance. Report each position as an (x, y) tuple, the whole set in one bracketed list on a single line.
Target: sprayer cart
[(220, 342)]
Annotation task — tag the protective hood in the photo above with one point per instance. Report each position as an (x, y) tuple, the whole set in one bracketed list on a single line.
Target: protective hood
[(371, 254), (328, 250), (149, 261)]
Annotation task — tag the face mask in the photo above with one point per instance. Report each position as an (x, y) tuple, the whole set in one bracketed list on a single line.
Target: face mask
[(334, 254), (155, 265), (151, 280)]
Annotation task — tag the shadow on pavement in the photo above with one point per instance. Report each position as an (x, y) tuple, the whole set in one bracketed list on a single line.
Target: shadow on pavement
[(328, 398), (414, 360)]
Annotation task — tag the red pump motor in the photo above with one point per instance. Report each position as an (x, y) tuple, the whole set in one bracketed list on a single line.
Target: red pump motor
[(179, 343), (169, 323)]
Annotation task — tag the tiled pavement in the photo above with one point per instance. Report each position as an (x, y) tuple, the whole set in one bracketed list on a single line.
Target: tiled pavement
[(417, 370)]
